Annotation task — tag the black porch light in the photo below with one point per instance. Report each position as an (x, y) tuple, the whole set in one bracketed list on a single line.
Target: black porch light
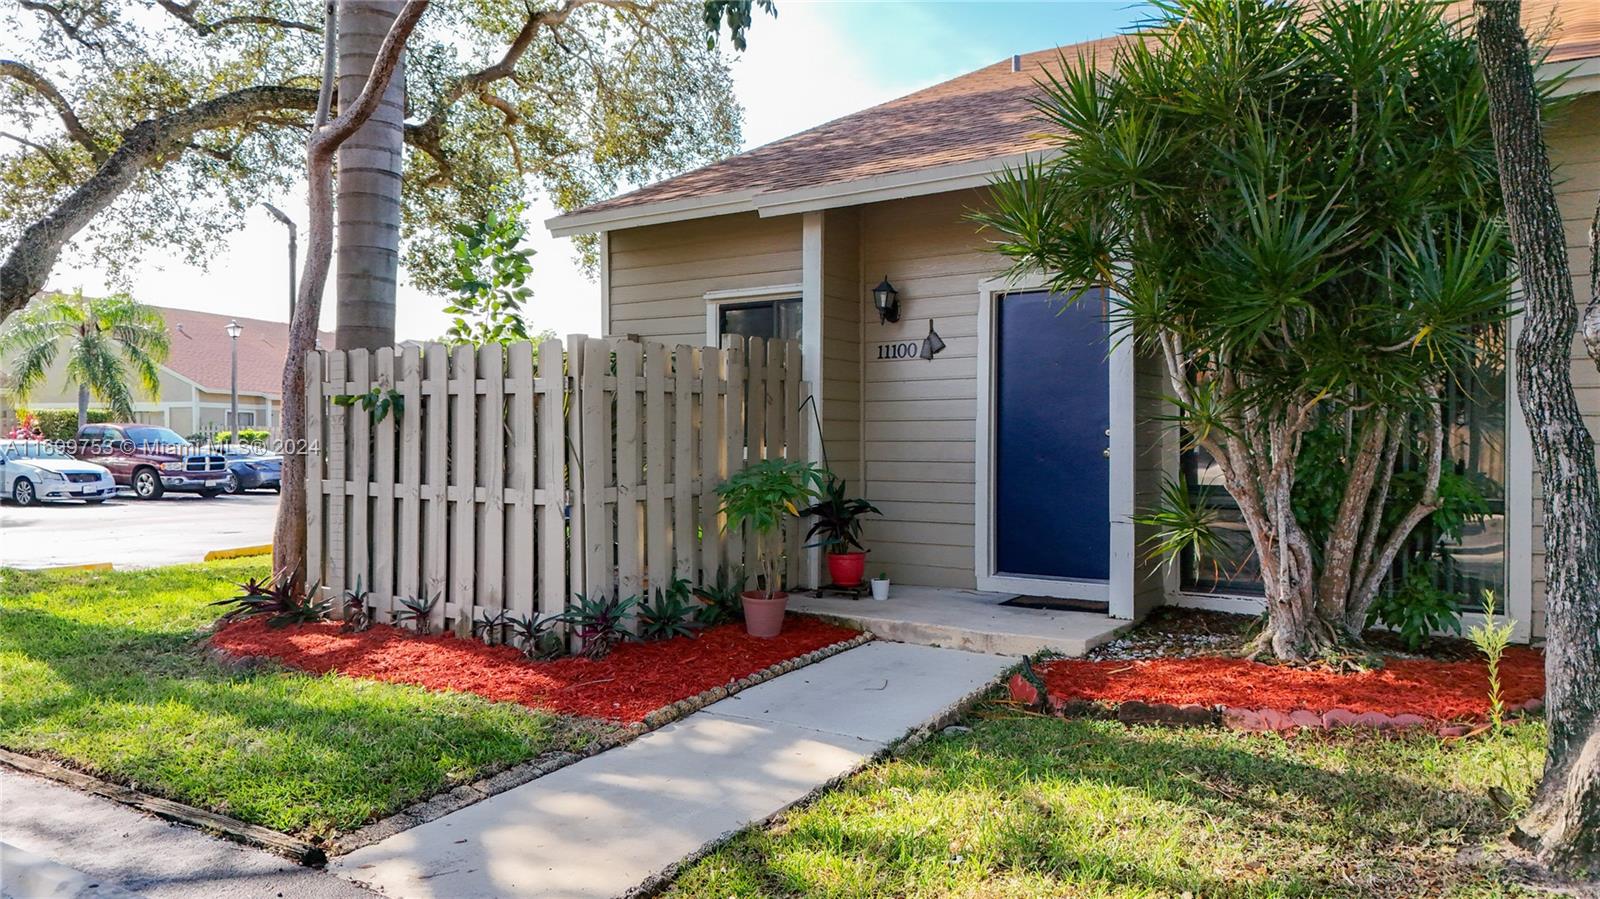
[(887, 301)]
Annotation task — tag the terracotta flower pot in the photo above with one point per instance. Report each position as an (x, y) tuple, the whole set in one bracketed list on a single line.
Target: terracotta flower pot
[(763, 617), (847, 569)]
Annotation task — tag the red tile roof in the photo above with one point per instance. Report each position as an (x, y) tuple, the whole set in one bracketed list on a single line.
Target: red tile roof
[(982, 115), (200, 350)]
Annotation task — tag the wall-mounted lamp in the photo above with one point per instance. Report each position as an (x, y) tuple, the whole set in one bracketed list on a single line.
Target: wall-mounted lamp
[(932, 344), (887, 301)]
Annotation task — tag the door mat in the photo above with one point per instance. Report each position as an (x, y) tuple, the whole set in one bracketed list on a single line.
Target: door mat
[(1057, 604)]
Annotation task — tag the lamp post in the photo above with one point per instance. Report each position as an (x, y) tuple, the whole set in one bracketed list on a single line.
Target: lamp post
[(288, 223), (233, 405)]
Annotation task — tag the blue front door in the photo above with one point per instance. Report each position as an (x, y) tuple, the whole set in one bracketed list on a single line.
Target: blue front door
[(1051, 473)]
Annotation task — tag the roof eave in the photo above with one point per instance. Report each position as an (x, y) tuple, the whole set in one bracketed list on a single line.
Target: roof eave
[(874, 189)]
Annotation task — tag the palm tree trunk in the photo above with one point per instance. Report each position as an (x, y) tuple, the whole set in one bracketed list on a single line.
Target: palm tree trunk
[(83, 405), (368, 205)]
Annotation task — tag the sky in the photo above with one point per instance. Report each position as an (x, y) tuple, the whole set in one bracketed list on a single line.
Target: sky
[(817, 61)]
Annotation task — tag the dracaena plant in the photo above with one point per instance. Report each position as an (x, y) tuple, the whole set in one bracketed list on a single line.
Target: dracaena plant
[(1294, 207), (277, 600), (762, 497), (837, 528), (357, 617), (539, 637)]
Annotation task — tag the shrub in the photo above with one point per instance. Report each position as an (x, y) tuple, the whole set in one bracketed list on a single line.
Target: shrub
[(255, 436), (417, 611), (537, 636), (1417, 607), (62, 424)]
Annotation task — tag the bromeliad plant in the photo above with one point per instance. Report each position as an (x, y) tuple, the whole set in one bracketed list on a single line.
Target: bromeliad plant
[(600, 624), (539, 637), (1295, 207), (357, 617), (720, 602), (418, 612), (669, 613), (761, 497), (277, 600)]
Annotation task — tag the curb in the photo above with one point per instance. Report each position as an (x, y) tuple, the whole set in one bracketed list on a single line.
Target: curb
[(240, 832), (86, 566), (239, 552)]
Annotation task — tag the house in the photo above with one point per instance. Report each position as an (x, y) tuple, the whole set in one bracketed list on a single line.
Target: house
[(790, 239), (196, 379)]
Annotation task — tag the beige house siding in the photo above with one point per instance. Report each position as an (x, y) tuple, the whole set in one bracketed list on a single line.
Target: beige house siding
[(659, 275), (843, 308), (919, 416), (1574, 140)]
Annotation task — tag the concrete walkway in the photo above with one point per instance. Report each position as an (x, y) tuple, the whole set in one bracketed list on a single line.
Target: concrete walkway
[(61, 843), (607, 824)]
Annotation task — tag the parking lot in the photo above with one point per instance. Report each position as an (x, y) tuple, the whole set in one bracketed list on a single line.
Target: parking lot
[(130, 533)]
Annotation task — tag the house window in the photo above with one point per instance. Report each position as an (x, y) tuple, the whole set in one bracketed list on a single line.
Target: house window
[(767, 319), (247, 419)]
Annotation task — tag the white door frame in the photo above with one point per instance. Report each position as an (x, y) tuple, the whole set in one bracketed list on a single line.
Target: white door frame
[(1117, 591)]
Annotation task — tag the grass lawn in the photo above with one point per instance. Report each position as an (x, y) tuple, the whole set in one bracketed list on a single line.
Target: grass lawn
[(1031, 806), (108, 671)]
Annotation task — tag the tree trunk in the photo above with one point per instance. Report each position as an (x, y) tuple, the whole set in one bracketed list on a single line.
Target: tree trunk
[(289, 533), (83, 405), (368, 206), (1563, 827)]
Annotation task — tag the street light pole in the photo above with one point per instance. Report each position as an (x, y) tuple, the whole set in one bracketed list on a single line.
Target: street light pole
[(289, 223), (233, 337)]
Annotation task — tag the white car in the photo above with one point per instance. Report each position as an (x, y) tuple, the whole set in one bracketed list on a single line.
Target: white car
[(33, 471)]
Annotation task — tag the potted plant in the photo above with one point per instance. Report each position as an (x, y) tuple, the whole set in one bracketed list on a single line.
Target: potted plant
[(837, 530), (880, 586), (761, 496)]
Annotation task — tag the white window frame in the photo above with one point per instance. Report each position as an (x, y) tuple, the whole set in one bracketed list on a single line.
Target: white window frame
[(1117, 590), (739, 296)]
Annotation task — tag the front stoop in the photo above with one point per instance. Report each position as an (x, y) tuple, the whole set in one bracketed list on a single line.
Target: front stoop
[(968, 620), (625, 818)]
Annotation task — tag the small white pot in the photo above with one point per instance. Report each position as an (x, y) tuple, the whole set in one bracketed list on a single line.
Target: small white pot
[(880, 588)]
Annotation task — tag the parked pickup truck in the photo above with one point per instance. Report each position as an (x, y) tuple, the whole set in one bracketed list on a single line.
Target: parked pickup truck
[(151, 459)]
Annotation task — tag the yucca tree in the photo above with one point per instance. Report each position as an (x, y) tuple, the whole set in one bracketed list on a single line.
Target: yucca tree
[(1295, 209), (111, 344)]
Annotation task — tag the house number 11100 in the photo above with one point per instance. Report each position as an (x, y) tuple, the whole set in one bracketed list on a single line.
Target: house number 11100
[(909, 349)]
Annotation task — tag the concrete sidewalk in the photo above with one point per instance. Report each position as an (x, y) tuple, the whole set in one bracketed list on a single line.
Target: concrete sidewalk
[(76, 845), (607, 824)]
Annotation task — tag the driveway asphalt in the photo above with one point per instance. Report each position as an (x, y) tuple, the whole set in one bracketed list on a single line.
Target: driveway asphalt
[(132, 533), (76, 845)]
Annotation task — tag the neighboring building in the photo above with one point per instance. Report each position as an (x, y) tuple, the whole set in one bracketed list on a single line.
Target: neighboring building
[(195, 381), (789, 239)]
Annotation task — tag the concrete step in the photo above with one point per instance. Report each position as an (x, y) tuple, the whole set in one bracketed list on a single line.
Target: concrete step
[(968, 620)]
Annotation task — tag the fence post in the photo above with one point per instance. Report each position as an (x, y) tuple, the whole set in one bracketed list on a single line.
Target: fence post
[(630, 548), (409, 558), (552, 458), (713, 460), (522, 460), (315, 451), (683, 453), (577, 480), (382, 582), (437, 546), (337, 546)]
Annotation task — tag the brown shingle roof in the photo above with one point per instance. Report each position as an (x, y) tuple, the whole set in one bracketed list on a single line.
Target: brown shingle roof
[(982, 115), (200, 350)]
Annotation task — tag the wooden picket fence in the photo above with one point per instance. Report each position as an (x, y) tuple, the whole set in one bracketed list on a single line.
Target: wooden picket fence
[(511, 477)]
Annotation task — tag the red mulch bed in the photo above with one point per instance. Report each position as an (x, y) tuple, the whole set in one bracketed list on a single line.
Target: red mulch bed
[(630, 683), (1441, 691)]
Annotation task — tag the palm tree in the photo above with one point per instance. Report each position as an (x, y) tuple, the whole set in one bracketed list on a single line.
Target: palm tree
[(104, 337)]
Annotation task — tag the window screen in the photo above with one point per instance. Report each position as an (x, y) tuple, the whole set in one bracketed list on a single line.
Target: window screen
[(767, 319)]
